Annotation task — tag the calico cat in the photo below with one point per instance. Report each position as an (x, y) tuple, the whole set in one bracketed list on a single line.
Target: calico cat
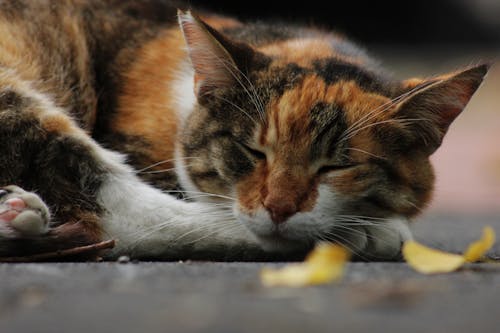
[(185, 136)]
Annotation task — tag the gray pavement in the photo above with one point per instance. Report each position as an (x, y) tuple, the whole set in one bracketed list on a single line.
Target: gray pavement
[(228, 297)]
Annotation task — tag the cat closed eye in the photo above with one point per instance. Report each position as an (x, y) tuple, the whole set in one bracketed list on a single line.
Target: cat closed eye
[(251, 151), (332, 168)]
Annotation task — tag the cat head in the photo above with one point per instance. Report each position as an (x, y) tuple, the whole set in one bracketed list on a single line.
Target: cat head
[(306, 134)]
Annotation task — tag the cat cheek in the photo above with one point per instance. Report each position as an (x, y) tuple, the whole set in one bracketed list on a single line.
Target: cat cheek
[(229, 161), (251, 189)]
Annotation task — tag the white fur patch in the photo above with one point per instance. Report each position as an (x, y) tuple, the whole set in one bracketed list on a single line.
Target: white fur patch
[(183, 91), (149, 223), (182, 175), (367, 237)]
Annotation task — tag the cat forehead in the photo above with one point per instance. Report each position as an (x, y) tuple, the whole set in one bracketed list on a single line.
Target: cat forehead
[(316, 99), (324, 78), (313, 115)]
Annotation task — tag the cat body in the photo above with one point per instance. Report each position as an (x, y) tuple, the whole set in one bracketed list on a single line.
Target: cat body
[(185, 136)]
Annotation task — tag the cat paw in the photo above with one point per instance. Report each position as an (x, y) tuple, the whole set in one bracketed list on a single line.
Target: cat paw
[(384, 241), (22, 213)]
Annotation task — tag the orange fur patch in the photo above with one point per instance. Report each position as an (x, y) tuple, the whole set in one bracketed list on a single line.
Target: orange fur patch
[(145, 105), (252, 188), (348, 183), (221, 22), (279, 183), (303, 51), (58, 123)]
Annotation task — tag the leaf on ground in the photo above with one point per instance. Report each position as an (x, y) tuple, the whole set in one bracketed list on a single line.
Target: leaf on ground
[(478, 249), (323, 265), (430, 261)]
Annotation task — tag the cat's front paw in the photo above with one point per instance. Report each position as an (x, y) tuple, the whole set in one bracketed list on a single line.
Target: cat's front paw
[(22, 213), (384, 240)]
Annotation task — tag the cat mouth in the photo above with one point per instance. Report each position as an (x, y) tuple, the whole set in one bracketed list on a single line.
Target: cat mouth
[(276, 237), (277, 240)]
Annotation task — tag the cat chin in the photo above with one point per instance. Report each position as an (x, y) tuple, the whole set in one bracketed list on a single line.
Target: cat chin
[(276, 243)]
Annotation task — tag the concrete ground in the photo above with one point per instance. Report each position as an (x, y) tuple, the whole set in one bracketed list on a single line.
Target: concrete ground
[(228, 297)]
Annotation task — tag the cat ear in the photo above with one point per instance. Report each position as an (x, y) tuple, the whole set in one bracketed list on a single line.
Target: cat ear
[(430, 106), (216, 60)]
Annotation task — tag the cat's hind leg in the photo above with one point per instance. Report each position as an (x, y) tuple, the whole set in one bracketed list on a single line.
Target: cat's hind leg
[(54, 166)]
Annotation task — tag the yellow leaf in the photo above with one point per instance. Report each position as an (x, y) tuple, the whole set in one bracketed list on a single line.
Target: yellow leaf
[(324, 264), (429, 261), (479, 248)]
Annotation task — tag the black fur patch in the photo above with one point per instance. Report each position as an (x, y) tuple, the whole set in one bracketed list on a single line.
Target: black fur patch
[(332, 71), (327, 124)]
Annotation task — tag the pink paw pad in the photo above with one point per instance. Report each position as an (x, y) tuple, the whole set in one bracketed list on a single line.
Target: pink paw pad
[(11, 208)]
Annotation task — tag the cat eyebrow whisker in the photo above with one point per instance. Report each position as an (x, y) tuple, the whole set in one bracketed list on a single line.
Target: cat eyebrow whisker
[(238, 107)]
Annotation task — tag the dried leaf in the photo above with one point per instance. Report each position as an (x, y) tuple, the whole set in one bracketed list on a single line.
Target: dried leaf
[(478, 249), (429, 261), (324, 264)]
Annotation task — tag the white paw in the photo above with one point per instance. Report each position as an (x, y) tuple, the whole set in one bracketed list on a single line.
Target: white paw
[(385, 240), (22, 213)]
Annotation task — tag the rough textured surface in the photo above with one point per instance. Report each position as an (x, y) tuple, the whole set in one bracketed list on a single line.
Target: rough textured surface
[(228, 297)]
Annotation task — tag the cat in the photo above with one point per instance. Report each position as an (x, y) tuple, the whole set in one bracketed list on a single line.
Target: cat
[(187, 135)]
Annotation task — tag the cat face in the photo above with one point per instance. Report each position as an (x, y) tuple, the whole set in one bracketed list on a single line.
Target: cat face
[(308, 140)]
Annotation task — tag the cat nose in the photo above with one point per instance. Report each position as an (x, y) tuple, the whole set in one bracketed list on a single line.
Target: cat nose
[(280, 209)]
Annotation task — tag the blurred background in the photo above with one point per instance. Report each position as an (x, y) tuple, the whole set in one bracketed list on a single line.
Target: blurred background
[(421, 38), (425, 22)]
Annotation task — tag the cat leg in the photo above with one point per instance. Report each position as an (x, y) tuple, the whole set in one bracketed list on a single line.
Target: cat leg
[(379, 241), (44, 151), (149, 224), (86, 194)]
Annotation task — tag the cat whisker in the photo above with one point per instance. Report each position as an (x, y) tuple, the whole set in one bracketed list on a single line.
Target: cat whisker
[(238, 108), (162, 170), (224, 224), (383, 107), (353, 248), (373, 113), (353, 230), (164, 162), (414, 205), (145, 233), (388, 121), (231, 68), (366, 152), (201, 193), (362, 223)]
